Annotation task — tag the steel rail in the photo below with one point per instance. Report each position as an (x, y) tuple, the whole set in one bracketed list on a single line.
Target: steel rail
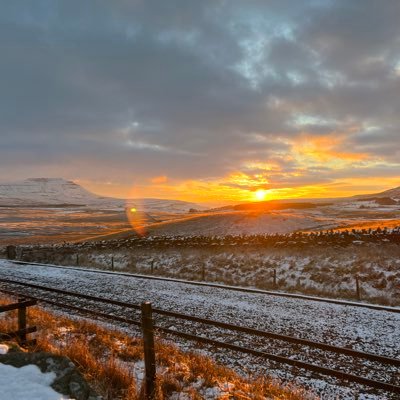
[(284, 360), (68, 293), (285, 338), (224, 325), (220, 286), (279, 359), (75, 308)]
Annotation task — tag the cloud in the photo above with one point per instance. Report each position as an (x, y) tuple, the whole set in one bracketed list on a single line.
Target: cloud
[(159, 179), (200, 91)]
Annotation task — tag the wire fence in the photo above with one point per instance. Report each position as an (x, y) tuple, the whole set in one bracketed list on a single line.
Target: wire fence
[(149, 323)]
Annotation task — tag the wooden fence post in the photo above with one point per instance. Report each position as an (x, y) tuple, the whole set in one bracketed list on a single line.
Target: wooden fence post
[(358, 291), (21, 322), (274, 278), (149, 353), (152, 267), (11, 252), (112, 263)]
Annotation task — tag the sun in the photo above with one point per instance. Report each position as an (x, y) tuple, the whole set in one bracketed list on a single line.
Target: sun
[(260, 195)]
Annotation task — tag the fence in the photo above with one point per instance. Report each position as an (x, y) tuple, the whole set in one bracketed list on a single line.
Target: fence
[(21, 333), (200, 274), (148, 329)]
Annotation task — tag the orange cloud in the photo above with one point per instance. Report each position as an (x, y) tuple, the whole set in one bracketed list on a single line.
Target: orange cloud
[(157, 180), (300, 172), (240, 187), (326, 148)]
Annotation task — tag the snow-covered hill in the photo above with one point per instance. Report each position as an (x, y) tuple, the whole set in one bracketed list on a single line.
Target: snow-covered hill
[(165, 206), (391, 193), (240, 223), (60, 192), (50, 191)]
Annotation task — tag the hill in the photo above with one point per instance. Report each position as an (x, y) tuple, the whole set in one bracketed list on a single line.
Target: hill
[(393, 194), (50, 192), (229, 223), (58, 192), (265, 206)]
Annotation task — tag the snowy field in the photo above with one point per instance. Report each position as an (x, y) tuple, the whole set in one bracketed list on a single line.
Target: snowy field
[(36, 223), (322, 270), (361, 329)]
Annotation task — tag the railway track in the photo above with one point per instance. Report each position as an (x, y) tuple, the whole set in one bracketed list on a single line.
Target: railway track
[(226, 287), (379, 372)]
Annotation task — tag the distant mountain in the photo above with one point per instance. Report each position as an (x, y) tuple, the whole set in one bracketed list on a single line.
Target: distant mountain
[(273, 205), (391, 194), (58, 192), (47, 191), (388, 197)]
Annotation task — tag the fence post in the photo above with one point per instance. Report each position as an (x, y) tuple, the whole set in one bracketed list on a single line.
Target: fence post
[(21, 322), (358, 291), (149, 353), (11, 252), (274, 278), (152, 267), (112, 263), (77, 260)]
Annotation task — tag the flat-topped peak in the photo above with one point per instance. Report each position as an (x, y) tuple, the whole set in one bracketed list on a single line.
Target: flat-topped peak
[(55, 180), (49, 191)]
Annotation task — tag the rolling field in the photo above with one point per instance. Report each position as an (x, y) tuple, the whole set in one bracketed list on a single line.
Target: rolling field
[(24, 225)]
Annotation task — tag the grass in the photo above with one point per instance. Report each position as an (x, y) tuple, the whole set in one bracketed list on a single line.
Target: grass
[(108, 359), (324, 271)]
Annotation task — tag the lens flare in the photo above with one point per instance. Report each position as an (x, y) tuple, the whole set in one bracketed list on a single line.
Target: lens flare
[(137, 218), (135, 211)]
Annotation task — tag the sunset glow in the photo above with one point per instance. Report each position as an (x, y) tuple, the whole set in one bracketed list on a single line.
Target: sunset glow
[(220, 192), (260, 195), (279, 102)]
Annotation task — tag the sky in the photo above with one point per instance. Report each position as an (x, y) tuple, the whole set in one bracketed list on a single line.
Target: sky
[(206, 101)]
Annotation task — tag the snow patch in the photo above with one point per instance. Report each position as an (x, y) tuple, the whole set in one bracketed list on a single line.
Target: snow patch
[(3, 349), (27, 383)]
